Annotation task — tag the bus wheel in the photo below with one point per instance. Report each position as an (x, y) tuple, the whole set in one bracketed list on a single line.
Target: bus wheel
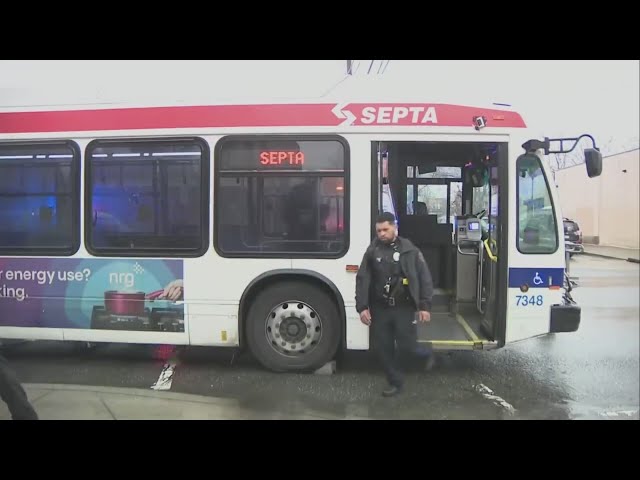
[(293, 326)]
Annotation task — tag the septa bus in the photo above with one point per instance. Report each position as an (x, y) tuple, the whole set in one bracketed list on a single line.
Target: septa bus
[(254, 218)]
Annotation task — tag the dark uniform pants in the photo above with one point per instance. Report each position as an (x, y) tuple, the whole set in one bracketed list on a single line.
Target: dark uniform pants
[(13, 394), (391, 326)]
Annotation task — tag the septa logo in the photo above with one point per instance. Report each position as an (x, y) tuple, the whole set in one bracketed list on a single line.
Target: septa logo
[(403, 115)]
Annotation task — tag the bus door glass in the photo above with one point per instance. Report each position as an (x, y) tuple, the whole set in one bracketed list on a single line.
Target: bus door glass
[(491, 242), (486, 207)]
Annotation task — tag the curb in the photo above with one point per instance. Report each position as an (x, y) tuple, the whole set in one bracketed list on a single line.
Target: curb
[(600, 255)]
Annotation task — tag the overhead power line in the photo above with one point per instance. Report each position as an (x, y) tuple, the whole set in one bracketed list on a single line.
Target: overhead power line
[(353, 67)]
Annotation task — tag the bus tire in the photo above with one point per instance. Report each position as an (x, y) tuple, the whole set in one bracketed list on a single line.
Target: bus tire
[(293, 326)]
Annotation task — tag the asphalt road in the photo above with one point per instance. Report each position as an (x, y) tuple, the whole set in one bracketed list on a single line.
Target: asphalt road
[(590, 374)]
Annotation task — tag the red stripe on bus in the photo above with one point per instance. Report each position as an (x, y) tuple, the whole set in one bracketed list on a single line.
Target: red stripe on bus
[(168, 117), (283, 115)]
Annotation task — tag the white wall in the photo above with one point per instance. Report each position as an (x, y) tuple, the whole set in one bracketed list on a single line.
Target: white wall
[(606, 207)]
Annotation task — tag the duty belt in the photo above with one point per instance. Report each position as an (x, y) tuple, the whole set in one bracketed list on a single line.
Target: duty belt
[(390, 296)]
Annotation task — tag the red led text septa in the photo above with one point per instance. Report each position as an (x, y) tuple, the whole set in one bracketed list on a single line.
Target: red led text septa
[(282, 158)]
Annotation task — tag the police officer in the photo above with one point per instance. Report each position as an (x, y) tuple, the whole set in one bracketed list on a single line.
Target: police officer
[(392, 284)]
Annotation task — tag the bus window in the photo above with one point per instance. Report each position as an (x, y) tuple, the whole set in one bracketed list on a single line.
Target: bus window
[(39, 198), (411, 202), (480, 199), (537, 228), (440, 172), (147, 197), (281, 197), (432, 200), (455, 201)]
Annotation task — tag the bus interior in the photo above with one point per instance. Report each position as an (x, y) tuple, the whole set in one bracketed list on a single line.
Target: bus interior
[(446, 199)]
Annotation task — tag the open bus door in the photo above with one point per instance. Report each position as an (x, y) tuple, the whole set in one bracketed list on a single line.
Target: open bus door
[(485, 183), (487, 299), (536, 247)]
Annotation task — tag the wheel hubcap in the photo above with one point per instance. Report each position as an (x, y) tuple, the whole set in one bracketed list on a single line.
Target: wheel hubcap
[(293, 328)]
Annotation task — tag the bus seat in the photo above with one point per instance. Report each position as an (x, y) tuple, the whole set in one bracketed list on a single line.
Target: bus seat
[(420, 208)]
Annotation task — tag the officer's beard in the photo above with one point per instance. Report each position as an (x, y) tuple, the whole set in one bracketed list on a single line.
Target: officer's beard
[(391, 240)]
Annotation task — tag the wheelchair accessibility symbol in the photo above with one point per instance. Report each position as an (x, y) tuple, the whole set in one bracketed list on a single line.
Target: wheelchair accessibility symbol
[(537, 280)]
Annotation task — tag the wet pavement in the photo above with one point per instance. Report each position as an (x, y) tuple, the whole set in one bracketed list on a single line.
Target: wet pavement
[(590, 374)]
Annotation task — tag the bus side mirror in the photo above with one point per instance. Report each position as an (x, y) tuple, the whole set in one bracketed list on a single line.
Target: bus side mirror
[(593, 160)]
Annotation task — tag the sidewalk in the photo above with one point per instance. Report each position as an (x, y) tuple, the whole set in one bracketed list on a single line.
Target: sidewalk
[(80, 402), (612, 252)]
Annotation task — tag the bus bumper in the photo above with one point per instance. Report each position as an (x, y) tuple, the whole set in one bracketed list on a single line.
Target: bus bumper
[(564, 318), (572, 247)]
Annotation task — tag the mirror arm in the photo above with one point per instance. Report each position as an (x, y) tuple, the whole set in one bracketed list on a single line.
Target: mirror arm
[(533, 145), (575, 140)]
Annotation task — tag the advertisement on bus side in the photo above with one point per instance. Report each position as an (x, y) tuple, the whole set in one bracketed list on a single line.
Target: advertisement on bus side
[(107, 294)]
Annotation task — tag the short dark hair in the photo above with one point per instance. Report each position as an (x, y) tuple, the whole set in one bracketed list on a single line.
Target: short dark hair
[(386, 217)]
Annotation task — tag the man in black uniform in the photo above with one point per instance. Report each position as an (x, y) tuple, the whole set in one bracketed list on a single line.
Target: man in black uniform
[(392, 284)]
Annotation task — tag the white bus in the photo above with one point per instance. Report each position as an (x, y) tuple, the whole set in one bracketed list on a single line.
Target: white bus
[(255, 217)]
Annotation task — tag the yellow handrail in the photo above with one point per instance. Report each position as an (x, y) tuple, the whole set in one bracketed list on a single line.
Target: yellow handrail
[(488, 249)]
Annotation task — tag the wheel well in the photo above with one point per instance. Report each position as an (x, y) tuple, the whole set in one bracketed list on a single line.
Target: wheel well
[(271, 278)]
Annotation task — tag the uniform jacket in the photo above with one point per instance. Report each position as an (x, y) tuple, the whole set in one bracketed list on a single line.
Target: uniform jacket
[(413, 266)]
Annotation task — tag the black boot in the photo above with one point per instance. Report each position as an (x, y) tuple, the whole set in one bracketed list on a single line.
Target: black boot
[(391, 391)]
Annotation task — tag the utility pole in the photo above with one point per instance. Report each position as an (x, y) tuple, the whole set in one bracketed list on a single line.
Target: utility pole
[(349, 67)]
